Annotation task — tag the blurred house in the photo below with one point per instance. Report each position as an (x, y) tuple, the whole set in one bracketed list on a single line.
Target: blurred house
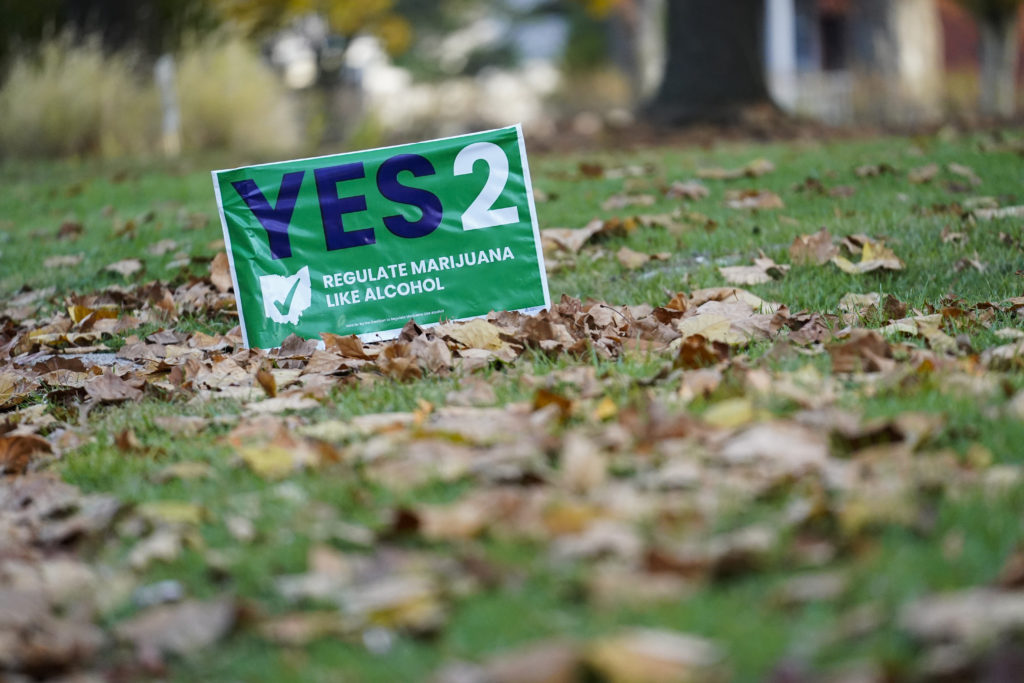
[(824, 60)]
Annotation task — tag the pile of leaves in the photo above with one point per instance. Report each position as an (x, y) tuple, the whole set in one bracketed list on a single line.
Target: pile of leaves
[(640, 453), (630, 495)]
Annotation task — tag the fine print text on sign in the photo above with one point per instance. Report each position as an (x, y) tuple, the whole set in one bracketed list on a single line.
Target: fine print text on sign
[(360, 243)]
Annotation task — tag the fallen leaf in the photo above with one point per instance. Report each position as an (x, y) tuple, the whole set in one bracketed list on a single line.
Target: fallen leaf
[(874, 256), (656, 656), (125, 268), (69, 230), (764, 270), (753, 199), (64, 261), (632, 259), (109, 388), (299, 629), (752, 169), (972, 616), (871, 170), (349, 347), (179, 629), (186, 470), (863, 351), (621, 201), (814, 249), (162, 247), (220, 273), (17, 451), (1004, 212), (923, 174), (691, 189), (964, 172), (570, 239)]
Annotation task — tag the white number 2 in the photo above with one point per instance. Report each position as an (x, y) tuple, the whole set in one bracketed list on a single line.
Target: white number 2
[(480, 213)]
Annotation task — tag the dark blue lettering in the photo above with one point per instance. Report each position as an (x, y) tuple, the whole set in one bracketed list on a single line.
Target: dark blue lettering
[(427, 202), (275, 220), (333, 208)]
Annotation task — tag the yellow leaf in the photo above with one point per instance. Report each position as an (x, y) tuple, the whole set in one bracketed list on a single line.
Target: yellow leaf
[(731, 412), (713, 327), (606, 409), (269, 461), (173, 512), (475, 334)]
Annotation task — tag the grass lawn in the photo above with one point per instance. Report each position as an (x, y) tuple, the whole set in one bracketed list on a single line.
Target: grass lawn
[(798, 501)]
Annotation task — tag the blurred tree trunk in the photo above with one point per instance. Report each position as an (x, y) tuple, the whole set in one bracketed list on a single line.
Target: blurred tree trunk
[(997, 24), (715, 62), (999, 54), (897, 55)]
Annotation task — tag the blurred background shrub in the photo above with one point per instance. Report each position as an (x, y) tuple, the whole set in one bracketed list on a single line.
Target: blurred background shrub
[(72, 99), (230, 98)]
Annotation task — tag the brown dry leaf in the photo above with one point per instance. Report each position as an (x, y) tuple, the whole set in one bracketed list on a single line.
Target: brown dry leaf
[(657, 656), (267, 381), (220, 273), (109, 388), (690, 189), (545, 397), (126, 440), (874, 256), (476, 334), (69, 230), (814, 249), (753, 199), (1004, 212), (752, 169), (410, 602), (712, 327), (547, 661), (871, 170), (787, 445), (965, 263), (696, 351), (349, 347), (583, 466), (396, 361), (621, 201), (291, 401), (1004, 356), (947, 235), (64, 261), (299, 629), (460, 520), (923, 174), (570, 239), (17, 451), (181, 425), (964, 172), (970, 617), (764, 270), (862, 351), (927, 327), (733, 322), (814, 587), (179, 629), (125, 268), (632, 259)]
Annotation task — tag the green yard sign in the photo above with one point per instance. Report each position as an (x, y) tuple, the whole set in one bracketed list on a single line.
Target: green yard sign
[(360, 243)]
